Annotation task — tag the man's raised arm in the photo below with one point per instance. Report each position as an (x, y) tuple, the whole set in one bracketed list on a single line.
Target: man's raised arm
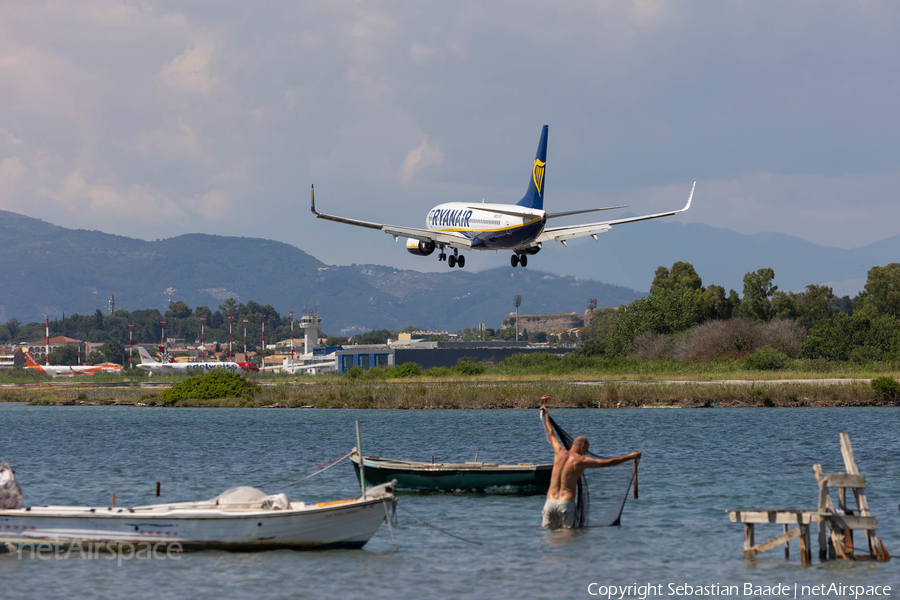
[(598, 463), (557, 447)]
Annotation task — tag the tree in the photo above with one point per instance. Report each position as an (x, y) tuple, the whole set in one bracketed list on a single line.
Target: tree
[(12, 327), (64, 355), (682, 276), (814, 304), (663, 313), (844, 337), (883, 291), (716, 305), (758, 290), (113, 351), (178, 310), (377, 336)]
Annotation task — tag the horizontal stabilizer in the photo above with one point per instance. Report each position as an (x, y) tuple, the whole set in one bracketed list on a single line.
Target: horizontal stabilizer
[(581, 212), (511, 213)]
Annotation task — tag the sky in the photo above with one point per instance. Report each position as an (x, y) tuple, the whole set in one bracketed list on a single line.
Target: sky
[(154, 119)]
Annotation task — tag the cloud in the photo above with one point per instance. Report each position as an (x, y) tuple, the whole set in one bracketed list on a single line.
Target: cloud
[(420, 157), (189, 72), (75, 194), (7, 137), (213, 206), (420, 53), (11, 172), (194, 109)]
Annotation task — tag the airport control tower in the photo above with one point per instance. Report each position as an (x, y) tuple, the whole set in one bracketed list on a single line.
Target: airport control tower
[(310, 323)]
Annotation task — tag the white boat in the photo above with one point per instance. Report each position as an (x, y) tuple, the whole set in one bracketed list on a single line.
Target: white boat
[(239, 519)]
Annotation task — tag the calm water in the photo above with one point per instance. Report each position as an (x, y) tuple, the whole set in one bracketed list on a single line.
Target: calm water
[(696, 464)]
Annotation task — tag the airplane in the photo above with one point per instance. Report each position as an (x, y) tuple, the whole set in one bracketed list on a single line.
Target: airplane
[(60, 370), (521, 227), (149, 364)]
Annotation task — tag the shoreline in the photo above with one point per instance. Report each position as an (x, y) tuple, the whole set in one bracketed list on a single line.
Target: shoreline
[(459, 395)]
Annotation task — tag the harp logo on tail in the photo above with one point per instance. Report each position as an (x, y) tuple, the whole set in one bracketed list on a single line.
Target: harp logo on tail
[(538, 173)]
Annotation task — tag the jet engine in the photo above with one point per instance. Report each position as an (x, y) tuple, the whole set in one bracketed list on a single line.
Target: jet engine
[(531, 250), (414, 246)]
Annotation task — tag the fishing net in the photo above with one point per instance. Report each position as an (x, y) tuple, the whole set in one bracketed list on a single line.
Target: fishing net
[(10, 491), (613, 485)]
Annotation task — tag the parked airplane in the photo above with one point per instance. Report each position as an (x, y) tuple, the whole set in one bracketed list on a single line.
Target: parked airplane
[(148, 363), (521, 227), (58, 370)]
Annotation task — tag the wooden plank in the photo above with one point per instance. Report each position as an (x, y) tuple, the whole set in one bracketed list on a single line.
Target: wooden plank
[(853, 522), (845, 480), (847, 453), (861, 502), (773, 543), (825, 502), (791, 517)]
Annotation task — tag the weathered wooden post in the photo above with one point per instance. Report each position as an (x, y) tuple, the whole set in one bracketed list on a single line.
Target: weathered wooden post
[(157, 489), (787, 544), (362, 467), (635, 480)]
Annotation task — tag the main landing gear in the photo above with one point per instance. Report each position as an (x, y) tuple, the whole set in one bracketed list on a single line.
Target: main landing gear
[(454, 260), (519, 259)]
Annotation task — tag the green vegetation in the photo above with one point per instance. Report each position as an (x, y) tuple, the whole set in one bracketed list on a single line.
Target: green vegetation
[(211, 386), (338, 393), (767, 359), (887, 387)]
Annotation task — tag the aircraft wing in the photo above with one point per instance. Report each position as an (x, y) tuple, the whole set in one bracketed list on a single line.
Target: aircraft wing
[(446, 238), (562, 234)]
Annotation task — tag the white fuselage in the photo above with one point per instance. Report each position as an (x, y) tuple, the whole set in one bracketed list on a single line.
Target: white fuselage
[(62, 370), (485, 226), (176, 366)]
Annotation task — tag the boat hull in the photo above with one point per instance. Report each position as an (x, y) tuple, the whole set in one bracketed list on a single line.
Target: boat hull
[(348, 524), (431, 477)]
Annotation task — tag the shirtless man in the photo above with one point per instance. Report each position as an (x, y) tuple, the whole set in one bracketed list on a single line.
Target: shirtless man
[(568, 465)]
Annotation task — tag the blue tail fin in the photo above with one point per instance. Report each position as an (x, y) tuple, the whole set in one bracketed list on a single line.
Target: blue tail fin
[(534, 197)]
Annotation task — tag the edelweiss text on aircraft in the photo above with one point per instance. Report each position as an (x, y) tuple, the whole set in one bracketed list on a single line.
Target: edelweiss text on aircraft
[(154, 366), (520, 227)]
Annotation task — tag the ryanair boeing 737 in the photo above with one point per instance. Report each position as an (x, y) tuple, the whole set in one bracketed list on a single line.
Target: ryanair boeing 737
[(520, 227)]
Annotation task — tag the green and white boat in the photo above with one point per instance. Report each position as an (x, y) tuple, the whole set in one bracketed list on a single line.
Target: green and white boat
[(478, 477)]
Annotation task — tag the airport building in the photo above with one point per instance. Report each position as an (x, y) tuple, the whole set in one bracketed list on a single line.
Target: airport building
[(433, 354)]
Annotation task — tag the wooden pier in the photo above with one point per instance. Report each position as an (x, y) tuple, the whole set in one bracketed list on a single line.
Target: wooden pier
[(835, 525)]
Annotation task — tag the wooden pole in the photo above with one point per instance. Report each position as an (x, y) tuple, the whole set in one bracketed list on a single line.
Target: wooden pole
[(805, 550), (114, 501), (157, 489), (362, 467), (635, 480), (787, 545)]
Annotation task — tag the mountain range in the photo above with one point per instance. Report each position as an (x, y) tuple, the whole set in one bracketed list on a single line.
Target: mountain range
[(47, 269)]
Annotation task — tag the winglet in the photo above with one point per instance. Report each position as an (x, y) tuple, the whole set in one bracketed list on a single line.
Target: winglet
[(312, 199), (691, 197)]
